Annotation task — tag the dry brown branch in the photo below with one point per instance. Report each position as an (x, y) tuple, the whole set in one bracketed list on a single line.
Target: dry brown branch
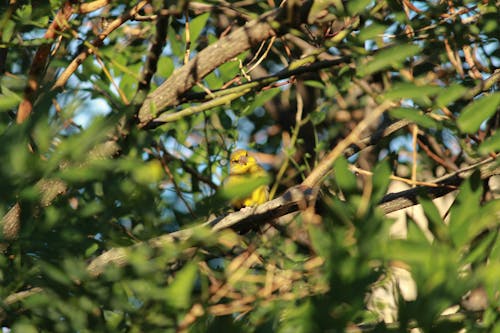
[(325, 166), (85, 8), (40, 61)]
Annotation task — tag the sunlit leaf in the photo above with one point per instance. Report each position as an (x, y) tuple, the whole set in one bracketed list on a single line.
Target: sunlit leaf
[(411, 91), (450, 94), (491, 144), (357, 6), (372, 31), (150, 172), (197, 24), (343, 176), (391, 57), (473, 115), (416, 116), (165, 66), (178, 293)]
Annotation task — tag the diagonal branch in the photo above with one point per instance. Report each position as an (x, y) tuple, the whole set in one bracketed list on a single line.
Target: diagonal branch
[(225, 96), (183, 79), (295, 199)]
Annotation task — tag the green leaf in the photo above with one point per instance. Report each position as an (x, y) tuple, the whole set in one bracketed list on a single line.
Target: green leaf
[(262, 98), (416, 116), (344, 177), (436, 223), (356, 6), (465, 210), (229, 70), (148, 173), (495, 250), (318, 116), (411, 91), (56, 274), (387, 58), (165, 66), (16, 83), (8, 30), (24, 327), (314, 84), (487, 218), (299, 319), (213, 81), (473, 115), (175, 42), (381, 180), (415, 234), (372, 31), (9, 99), (450, 94), (241, 186), (178, 293), (480, 251), (24, 13), (491, 144), (196, 25)]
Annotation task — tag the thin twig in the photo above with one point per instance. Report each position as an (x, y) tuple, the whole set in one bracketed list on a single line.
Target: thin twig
[(64, 77), (295, 134), (325, 166)]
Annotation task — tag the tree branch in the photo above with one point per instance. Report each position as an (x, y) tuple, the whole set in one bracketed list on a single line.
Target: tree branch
[(64, 77), (207, 60)]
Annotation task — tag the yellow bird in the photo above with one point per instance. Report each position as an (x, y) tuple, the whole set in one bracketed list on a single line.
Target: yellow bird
[(246, 176)]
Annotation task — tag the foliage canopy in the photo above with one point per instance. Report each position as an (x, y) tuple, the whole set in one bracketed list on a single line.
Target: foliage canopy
[(117, 120)]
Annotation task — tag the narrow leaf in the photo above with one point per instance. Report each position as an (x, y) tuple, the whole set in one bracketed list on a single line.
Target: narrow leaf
[(197, 24), (478, 111), (416, 116), (491, 144), (436, 223), (344, 177), (450, 94), (179, 291), (391, 57), (465, 209)]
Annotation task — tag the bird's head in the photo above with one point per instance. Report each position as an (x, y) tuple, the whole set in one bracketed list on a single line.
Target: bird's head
[(241, 162)]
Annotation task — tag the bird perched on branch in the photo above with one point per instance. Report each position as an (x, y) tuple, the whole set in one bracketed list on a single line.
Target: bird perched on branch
[(247, 182)]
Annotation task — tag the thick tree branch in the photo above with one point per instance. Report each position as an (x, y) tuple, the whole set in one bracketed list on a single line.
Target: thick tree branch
[(207, 60), (225, 96)]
